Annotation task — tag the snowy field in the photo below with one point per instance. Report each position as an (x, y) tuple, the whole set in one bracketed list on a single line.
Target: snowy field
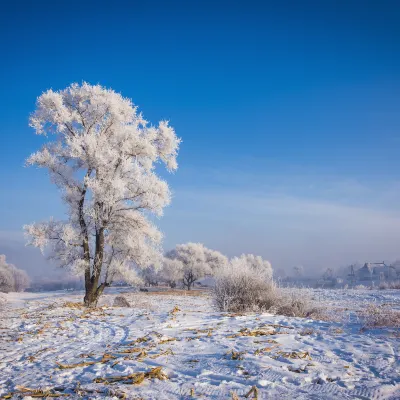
[(47, 342)]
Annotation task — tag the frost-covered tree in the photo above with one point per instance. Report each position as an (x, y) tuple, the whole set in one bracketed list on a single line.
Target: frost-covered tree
[(197, 261), (150, 276), (171, 272), (21, 280), (103, 160), (6, 275), (12, 279)]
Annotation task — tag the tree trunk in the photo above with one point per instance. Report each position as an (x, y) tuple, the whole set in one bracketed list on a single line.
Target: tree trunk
[(93, 294), (92, 288), (91, 298), (188, 280)]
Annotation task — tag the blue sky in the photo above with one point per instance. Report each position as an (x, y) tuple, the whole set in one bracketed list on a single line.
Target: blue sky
[(288, 111)]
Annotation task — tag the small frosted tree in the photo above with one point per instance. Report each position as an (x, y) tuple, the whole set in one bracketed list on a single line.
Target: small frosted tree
[(103, 160), (150, 276), (172, 271), (7, 281), (197, 261), (12, 279)]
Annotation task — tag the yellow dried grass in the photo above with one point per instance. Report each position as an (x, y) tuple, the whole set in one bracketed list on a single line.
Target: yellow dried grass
[(236, 355), (302, 355), (135, 378), (253, 391), (164, 353), (71, 304), (69, 366), (36, 393)]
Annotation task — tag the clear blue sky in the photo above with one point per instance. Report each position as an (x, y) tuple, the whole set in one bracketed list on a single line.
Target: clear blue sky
[(288, 110)]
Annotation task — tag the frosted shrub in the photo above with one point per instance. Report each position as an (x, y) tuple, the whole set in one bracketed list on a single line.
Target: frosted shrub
[(379, 316), (389, 285), (12, 279), (296, 303), (244, 284), (6, 280)]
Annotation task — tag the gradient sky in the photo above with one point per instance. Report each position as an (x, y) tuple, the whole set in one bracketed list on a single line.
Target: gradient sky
[(288, 111)]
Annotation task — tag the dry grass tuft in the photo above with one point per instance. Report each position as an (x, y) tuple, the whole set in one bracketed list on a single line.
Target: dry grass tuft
[(253, 391), (105, 358), (164, 353), (268, 331), (135, 378), (234, 396), (35, 393), (301, 355), (131, 350), (69, 366), (175, 310), (266, 350), (236, 355), (142, 355), (71, 304), (167, 340)]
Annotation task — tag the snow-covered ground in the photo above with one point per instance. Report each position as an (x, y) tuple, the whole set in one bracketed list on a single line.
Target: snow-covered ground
[(205, 354)]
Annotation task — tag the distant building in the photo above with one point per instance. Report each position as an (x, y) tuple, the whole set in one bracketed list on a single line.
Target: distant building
[(374, 273)]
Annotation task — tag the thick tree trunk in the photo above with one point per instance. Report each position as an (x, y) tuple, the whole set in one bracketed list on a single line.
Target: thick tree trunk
[(93, 293), (91, 298), (92, 288)]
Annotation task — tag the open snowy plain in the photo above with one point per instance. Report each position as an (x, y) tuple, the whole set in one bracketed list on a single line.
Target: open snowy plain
[(50, 344)]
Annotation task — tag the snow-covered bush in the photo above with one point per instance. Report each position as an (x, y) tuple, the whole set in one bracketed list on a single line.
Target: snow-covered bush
[(389, 285), (379, 316), (197, 261), (21, 280), (12, 279), (294, 302), (103, 158), (244, 284), (6, 279)]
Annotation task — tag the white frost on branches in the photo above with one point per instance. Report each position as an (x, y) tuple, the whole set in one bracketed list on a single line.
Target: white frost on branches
[(254, 265), (197, 261), (243, 283), (12, 279), (103, 160), (172, 271)]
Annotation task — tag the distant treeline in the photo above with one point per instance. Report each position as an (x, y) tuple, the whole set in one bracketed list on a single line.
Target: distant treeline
[(55, 285)]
